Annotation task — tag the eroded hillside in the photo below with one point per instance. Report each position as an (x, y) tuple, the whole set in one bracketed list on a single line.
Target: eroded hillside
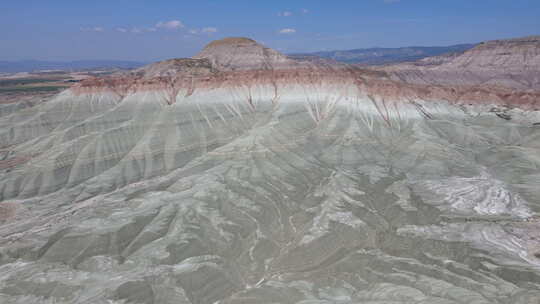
[(243, 176)]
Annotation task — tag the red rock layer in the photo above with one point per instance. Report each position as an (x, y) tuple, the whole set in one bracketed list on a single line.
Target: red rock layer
[(368, 82)]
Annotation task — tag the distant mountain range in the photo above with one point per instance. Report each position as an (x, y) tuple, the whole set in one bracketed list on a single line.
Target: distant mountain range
[(369, 56), (378, 56), (36, 65)]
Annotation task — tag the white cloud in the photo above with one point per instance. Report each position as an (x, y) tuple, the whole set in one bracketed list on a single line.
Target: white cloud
[(92, 29), (285, 14), (209, 30), (205, 30), (305, 11), (287, 31), (136, 30), (170, 25)]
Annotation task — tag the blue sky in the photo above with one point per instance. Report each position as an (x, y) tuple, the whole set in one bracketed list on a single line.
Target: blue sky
[(159, 29)]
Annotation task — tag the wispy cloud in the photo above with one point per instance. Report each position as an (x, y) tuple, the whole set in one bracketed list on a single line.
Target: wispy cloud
[(302, 11), (166, 25), (92, 29), (285, 14), (209, 29), (287, 31), (170, 25), (136, 30), (205, 30)]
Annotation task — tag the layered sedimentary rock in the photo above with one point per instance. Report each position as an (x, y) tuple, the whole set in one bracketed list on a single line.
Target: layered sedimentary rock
[(237, 53), (511, 63), (257, 179)]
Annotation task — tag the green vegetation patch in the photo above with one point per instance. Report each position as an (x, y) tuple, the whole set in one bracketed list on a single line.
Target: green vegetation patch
[(25, 81), (31, 89)]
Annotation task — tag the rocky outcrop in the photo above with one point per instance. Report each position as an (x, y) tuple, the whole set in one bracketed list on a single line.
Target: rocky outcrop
[(180, 67), (477, 76), (235, 53), (512, 63), (518, 54)]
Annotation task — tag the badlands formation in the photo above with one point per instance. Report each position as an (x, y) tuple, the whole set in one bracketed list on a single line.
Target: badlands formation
[(243, 176), (513, 63)]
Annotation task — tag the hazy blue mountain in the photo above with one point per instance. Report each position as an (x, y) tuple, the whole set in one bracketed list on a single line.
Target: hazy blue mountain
[(376, 56), (34, 65)]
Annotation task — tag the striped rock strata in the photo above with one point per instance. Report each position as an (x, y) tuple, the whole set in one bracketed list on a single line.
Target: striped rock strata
[(256, 179), (512, 63)]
